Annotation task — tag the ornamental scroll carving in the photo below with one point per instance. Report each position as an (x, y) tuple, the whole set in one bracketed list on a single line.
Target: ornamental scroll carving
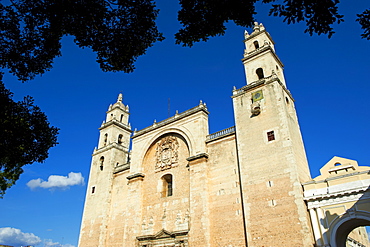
[(167, 153)]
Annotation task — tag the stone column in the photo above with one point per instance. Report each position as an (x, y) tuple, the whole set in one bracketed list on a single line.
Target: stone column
[(315, 227), (321, 217)]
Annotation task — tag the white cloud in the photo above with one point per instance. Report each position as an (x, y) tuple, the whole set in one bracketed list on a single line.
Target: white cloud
[(15, 237), (50, 243), (56, 181)]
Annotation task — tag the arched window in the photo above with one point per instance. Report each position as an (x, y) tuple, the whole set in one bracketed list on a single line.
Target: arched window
[(121, 118), (105, 139), (120, 138), (256, 45), (101, 163), (167, 185), (259, 73)]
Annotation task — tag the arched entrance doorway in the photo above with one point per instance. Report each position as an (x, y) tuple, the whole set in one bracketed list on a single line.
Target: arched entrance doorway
[(345, 225)]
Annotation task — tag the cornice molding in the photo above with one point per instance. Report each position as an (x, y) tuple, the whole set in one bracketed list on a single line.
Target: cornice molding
[(136, 175), (254, 34), (110, 146), (200, 108), (260, 83), (198, 156), (336, 177), (117, 123), (162, 234), (335, 194), (337, 198), (121, 168), (263, 49)]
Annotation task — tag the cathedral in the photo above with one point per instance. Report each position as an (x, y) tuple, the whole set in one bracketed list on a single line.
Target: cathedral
[(247, 185)]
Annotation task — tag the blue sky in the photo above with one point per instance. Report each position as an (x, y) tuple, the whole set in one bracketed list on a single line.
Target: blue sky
[(327, 77)]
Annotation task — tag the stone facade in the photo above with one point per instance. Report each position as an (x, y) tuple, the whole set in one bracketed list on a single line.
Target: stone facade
[(181, 186)]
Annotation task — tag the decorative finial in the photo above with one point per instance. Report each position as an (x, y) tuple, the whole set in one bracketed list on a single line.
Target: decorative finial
[(246, 34), (177, 112), (120, 97), (234, 88), (200, 102), (256, 27)]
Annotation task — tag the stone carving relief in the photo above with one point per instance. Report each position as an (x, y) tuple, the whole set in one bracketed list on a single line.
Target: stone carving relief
[(167, 153), (182, 222)]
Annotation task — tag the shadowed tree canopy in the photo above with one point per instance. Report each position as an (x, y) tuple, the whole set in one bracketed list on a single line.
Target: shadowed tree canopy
[(25, 137), (30, 39), (118, 31), (202, 19)]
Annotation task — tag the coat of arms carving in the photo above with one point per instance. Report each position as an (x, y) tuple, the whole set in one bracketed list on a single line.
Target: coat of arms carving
[(167, 153)]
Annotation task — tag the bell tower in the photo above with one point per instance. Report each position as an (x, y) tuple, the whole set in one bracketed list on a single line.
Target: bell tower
[(260, 59), (272, 158), (112, 153)]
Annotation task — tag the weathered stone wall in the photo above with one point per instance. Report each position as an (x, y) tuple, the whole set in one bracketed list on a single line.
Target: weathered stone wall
[(119, 214), (97, 204), (226, 219), (161, 211), (271, 169)]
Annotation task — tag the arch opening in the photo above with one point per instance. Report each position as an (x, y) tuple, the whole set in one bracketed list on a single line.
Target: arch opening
[(120, 139), (260, 74), (105, 139), (349, 233), (101, 163), (358, 237)]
